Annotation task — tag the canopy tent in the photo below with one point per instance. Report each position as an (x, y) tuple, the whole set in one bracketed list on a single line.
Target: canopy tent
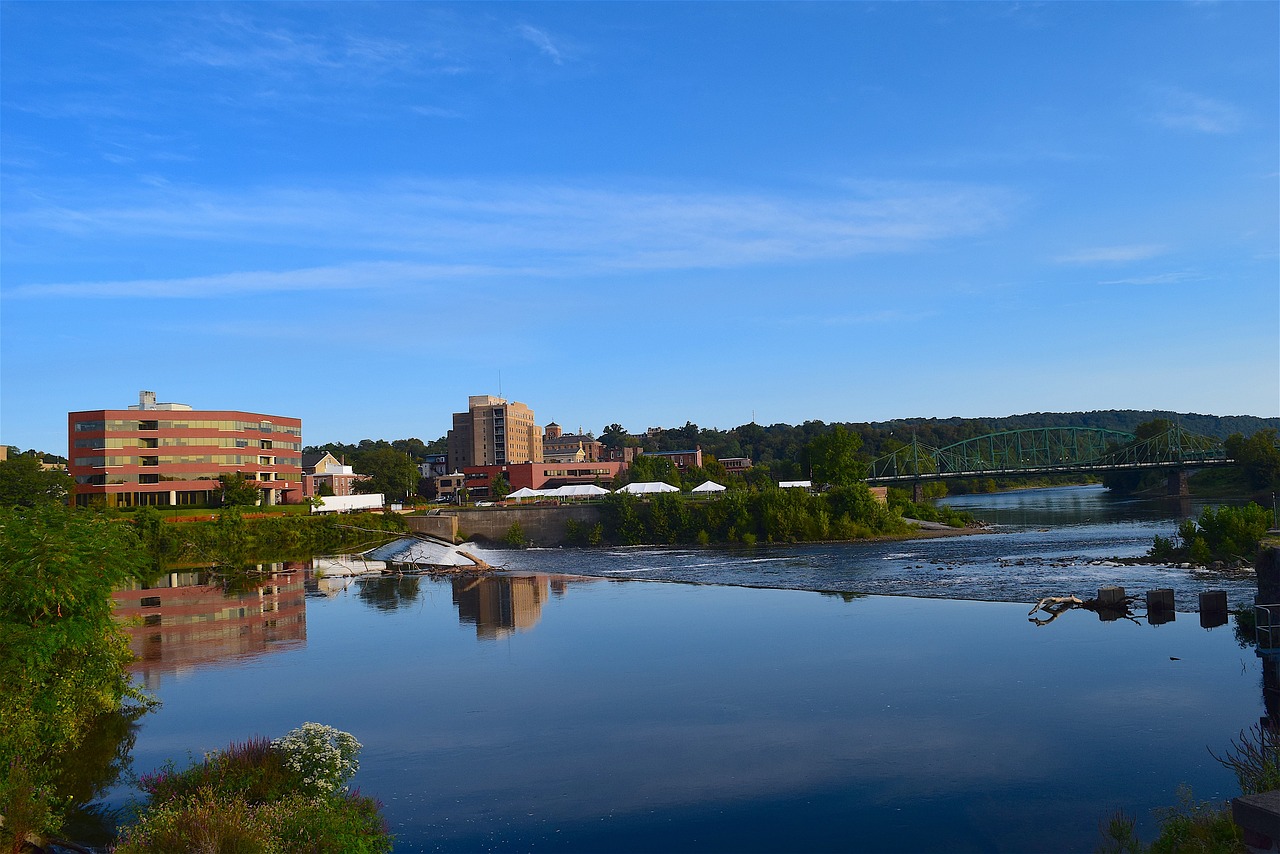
[(708, 486), (648, 487), (578, 490), (526, 492), (796, 484)]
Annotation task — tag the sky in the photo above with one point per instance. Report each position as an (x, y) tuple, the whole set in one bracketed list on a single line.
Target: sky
[(637, 213)]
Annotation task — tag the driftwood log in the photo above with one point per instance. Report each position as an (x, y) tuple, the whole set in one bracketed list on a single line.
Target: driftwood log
[(1056, 606)]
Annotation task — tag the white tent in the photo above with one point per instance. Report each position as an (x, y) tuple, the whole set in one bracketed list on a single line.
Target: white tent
[(526, 492), (649, 487), (796, 484), (708, 486), (579, 490)]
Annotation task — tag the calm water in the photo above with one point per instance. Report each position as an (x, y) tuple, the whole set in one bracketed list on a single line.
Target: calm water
[(566, 713)]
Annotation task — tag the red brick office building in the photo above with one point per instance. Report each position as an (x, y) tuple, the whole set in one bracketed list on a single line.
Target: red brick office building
[(168, 454)]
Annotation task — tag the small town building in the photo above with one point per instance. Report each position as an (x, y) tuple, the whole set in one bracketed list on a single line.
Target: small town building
[(682, 459), (169, 454), (323, 473)]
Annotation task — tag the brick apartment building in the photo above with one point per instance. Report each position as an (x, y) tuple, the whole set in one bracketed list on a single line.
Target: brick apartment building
[(168, 454), (493, 432)]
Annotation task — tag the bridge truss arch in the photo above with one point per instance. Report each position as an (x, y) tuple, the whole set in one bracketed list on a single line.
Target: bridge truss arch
[(1048, 450)]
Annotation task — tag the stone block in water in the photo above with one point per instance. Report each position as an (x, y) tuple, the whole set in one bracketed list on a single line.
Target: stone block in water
[(1111, 596), (1160, 599)]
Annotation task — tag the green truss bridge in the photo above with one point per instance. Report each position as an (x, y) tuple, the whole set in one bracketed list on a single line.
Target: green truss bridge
[(1051, 450)]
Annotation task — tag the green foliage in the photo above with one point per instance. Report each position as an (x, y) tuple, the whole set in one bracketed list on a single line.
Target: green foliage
[(23, 483), (1254, 757), (770, 515), (62, 657), (647, 468), (237, 491), (834, 460), (229, 541), (578, 534), (280, 796), (515, 536), (391, 472), (1191, 827), (1258, 456), (499, 487), (900, 502), (1225, 533)]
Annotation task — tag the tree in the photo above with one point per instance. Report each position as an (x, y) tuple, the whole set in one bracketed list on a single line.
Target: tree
[(833, 458), (614, 436), (238, 491), (390, 472), (63, 657), (1258, 457), (647, 468), (24, 483), (499, 487)]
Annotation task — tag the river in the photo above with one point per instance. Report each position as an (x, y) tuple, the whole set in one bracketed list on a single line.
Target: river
[(574, 704), (1041, 542)]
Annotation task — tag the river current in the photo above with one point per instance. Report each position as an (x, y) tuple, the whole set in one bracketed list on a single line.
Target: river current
[(1039, 542)]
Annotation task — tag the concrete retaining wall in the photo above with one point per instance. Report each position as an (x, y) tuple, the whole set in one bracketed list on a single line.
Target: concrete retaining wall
[(542, 526)]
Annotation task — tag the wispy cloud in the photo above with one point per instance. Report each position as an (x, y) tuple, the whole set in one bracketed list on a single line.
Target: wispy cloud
[(1182, 110), (436, 112), (539, 39), (349, 277), (1171, 278), (1112, 254), (557, 229)]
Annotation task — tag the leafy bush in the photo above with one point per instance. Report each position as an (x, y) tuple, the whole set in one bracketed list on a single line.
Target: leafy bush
[(262, 796), (62, 656), (1190, 826), (1254, 757), (515, 536), (1224, 533)]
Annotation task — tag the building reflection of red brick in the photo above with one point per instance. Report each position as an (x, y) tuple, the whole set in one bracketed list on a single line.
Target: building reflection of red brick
[(183, 620)]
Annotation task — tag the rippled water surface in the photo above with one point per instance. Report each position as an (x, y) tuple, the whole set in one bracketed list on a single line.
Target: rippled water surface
[(1042, 542)]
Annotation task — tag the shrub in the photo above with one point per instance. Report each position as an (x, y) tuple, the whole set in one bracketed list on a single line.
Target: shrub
[(263, 796), (1254, 757), (324, 757), (515, 536)]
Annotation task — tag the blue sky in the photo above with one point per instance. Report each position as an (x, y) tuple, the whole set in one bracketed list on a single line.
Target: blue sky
[(359, 214)]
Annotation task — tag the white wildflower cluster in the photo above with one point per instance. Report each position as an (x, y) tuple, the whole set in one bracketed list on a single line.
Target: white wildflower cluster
[(324, 756)]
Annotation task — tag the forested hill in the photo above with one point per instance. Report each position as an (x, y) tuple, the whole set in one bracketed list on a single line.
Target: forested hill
[(1125, 420), (780, 445)]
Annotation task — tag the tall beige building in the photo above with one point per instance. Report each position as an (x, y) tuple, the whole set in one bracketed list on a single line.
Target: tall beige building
[(493, 432)]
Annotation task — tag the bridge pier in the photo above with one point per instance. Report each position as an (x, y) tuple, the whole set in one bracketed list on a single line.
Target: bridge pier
[(917, 492), (1178, 483)]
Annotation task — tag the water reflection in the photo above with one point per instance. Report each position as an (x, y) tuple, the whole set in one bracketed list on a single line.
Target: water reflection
[(501, 606), (388, 592), (182, 620)]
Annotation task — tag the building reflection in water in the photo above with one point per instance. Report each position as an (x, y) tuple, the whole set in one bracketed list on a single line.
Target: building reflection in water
[(498, 606), (187, 619)]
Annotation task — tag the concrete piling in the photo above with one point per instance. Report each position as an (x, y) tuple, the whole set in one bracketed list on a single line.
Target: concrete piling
[(1213, 609), (1111, 597), (1160, 608)]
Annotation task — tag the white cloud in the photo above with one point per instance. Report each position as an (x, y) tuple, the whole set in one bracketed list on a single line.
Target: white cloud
[(344, 277), (1182, 110), (539, 39), (1172, 278), (555, 229), (1112, 254)]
